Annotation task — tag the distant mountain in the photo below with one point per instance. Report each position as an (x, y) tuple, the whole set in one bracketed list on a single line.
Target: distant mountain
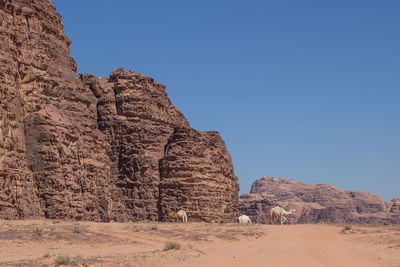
[(316, 203)]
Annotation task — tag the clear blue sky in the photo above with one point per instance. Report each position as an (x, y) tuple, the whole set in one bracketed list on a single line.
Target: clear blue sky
[(308, 90)]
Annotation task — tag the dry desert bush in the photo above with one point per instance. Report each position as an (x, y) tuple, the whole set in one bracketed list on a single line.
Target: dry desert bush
[(172, 245), (77, 228), (70, 261), (38, 232), (345, 229)]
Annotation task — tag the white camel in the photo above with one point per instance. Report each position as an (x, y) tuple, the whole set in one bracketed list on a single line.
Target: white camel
[(279, 212), (244, 219), (182, 215)]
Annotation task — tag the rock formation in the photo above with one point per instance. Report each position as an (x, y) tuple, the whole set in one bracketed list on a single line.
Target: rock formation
[(47, 165), (317, 203), (158, 161), (92, 148), (197, 172)]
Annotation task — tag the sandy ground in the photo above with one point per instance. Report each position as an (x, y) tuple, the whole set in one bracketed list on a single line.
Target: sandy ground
[(60, 243)]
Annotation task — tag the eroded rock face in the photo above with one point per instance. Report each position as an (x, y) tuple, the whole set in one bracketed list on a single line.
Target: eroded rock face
[(197, 175), (394, 209), (158, 161), (54, 160), (319, 202), (86, 148), (137, 117)]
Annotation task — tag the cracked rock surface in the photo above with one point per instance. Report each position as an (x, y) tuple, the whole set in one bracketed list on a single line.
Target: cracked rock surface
[(93, 148)]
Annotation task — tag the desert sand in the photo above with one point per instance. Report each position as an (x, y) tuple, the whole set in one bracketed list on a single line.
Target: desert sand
[(63, 243)]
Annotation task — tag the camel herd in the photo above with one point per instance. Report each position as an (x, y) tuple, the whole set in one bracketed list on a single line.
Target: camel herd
[(275, 213)]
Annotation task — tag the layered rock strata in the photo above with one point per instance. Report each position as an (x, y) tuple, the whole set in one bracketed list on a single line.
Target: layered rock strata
[(88, 148), (54, 160), (319, 202), (158, 161), (197, 175)]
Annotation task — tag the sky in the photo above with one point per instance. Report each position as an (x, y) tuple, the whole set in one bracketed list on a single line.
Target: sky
[(306, 90)]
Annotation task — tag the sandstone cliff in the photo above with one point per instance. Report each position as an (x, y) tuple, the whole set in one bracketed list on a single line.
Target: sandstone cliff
[(158, 161), (92, 148), (317, 203)]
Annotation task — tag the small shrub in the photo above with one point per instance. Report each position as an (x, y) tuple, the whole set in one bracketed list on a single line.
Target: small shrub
[(226, 236), (172, 245), (63, 260), (38, 232), (345, 229), (76, 228), (72, 261), (196, 237), (154, 227)]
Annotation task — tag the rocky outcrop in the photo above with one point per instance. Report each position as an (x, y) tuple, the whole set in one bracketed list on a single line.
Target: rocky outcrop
[(91, 148), (394, 209), (48, 123), (137, 117), (318, 203), (197, 175), (158, 161)]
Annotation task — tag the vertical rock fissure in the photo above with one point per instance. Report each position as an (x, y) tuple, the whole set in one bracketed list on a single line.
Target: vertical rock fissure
[(28, 27), (18, 210), (66, 190), (161, 215)]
